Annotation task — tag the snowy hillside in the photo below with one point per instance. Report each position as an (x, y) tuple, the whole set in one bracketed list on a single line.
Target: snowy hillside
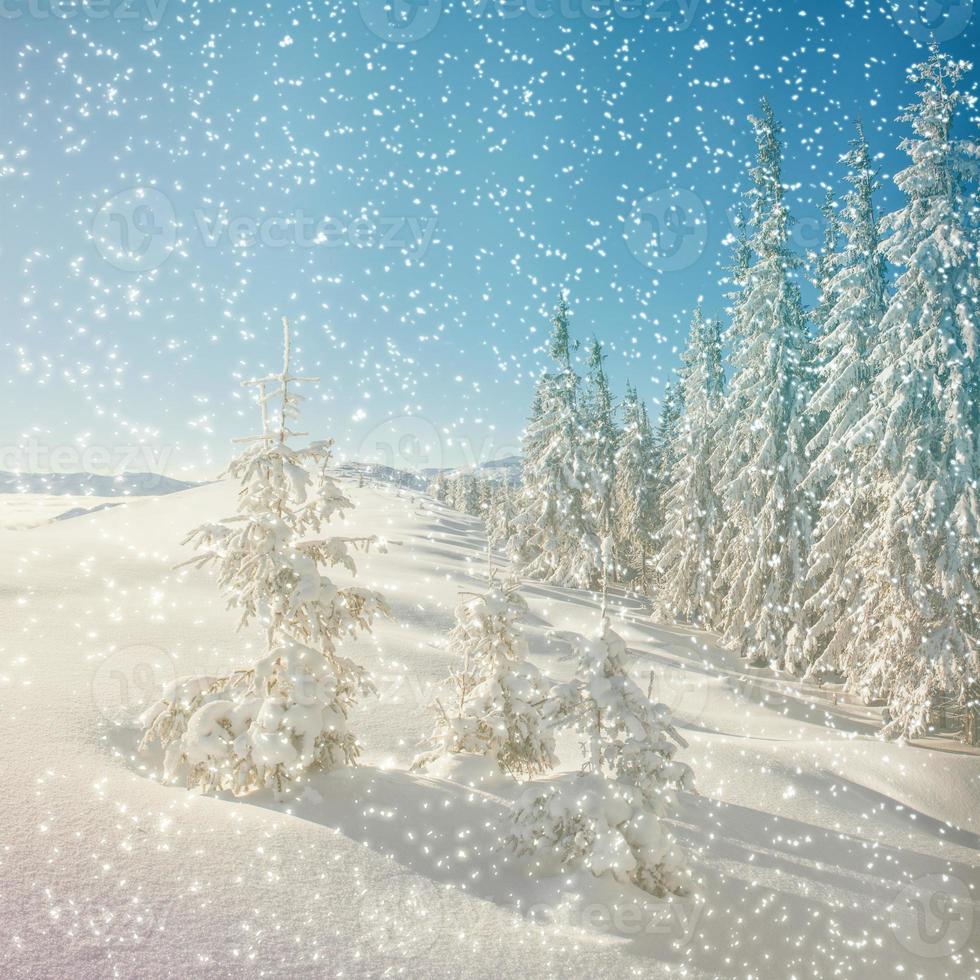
[(30, 499), (817, 849), (27, 510)]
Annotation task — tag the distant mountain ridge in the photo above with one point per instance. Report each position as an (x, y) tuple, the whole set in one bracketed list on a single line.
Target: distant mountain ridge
[(91, 484), (509, 468), (386, 474)]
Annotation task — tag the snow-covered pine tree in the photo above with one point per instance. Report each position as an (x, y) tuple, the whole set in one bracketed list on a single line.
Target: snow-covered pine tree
[(854, 295), (460, 493), (824, 263), (464, 494), (267, 724), (520, 547), (634, 494), (610, 816), (439, 488), (918, 628), (502, 520), (497, 701), (730, 535), (490, 506), (486, 491), (666, 443), (762, 441), (555, 540), (600, 437), (686, 563), (471, 495)]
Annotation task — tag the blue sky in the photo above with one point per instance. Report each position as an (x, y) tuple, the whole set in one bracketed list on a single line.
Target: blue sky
[(456, 182)]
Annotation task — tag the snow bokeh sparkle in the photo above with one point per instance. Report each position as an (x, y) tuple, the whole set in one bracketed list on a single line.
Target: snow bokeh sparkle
[(490, 489)]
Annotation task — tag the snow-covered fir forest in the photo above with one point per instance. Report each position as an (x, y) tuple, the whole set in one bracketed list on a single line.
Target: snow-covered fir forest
[(687, 685), (810, 488)]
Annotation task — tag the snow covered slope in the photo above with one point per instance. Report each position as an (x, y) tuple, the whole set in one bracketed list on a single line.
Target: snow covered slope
[(30, 499), (27, 510), (818, 850)]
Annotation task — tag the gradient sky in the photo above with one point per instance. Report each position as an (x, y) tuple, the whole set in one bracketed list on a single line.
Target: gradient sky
[(524, 137)]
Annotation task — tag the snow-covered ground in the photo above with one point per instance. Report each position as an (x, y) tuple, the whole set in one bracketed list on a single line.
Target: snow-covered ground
[(26, 510), (30, 499), (818, 850)]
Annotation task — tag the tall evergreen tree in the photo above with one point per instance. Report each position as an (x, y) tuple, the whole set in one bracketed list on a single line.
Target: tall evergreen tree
[(855, 295), (600, 438), (633, 493), (824, 264), (918, 627), (666, 444), (439, 488), (555, 541), (724, 458), (502, 515), (471, 495), (686, 565), (763, 438), (485, 501)]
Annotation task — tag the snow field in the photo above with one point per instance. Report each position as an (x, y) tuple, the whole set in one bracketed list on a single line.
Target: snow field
[(817, 849)]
